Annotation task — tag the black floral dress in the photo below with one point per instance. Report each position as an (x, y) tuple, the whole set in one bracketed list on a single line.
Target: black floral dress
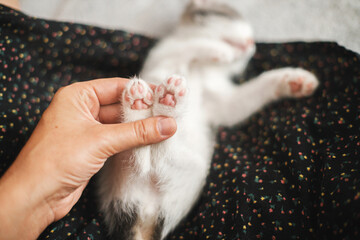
[(291, 171)]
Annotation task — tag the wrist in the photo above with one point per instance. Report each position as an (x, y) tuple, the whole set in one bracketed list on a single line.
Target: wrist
[(24, 212)]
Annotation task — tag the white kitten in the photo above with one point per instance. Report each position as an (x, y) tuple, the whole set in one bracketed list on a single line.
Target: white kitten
[(145, 192)]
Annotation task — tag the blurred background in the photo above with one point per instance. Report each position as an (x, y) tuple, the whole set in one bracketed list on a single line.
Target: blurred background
[(273, 21)]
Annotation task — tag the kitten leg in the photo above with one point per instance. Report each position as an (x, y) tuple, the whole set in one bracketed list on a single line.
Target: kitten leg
[(169, 100), (137, 100), (233, 104), (182, 184), (181, 162), (126, 192)]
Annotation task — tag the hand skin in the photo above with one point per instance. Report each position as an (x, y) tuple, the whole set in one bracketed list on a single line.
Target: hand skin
[(71, 142), (11, 3)]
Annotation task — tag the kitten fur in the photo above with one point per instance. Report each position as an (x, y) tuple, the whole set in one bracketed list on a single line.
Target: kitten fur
[(145, 192)]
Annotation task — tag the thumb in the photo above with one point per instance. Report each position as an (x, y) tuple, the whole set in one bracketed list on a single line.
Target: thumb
[(124, 136)]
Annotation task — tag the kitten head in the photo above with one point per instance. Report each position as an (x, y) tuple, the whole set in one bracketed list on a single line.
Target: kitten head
[(214, 19)]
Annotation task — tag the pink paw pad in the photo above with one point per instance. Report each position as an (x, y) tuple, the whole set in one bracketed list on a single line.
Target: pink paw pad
[(169, 100), (138, 95), (171, 91), (296, 86), (139, 104)]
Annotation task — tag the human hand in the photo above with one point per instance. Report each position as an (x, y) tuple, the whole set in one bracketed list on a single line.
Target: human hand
[(71, 142)]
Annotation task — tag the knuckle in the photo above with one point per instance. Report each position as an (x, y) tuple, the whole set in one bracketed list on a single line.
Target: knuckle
[(82, 91), (69, 89), (61, 91), (141, 132)]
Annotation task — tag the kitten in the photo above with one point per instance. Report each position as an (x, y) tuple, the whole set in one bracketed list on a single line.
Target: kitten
[(145, 192)]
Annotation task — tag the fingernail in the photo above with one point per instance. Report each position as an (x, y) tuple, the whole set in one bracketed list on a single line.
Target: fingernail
[(166, 126)]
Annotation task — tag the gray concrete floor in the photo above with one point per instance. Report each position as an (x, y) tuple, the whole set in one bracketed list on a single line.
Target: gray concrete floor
[(273, 21)]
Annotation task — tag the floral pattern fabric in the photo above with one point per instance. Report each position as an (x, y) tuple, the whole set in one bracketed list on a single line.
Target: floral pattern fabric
[(291, 171)]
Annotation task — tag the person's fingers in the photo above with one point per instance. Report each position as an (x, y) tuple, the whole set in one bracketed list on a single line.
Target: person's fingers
[(115, 138), (110, 114), (108, 90)]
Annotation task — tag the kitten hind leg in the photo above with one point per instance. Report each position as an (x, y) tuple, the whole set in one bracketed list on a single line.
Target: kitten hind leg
[(127, 195), (137, 100), (170, 99)]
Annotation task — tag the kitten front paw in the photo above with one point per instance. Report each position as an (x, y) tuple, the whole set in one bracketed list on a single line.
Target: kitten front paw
[(137, 100), (297, 83), (170, 96)]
